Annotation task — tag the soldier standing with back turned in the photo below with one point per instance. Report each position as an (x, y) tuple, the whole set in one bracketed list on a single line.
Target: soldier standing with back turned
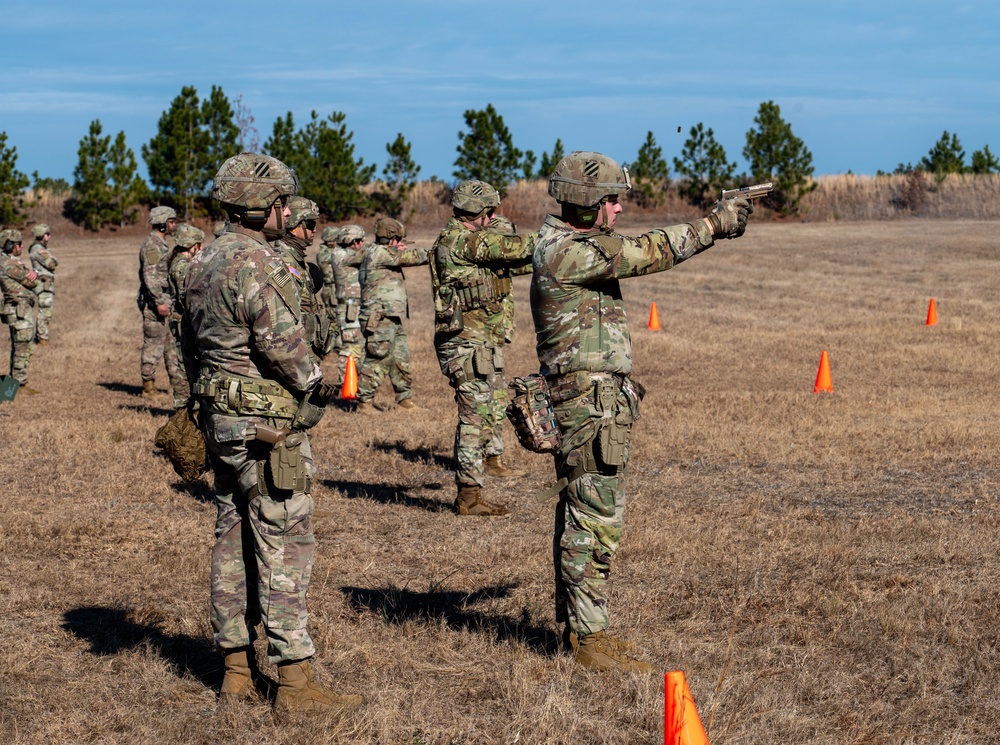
[(585, 353), (154, 301), (18, 282), (259, 390)]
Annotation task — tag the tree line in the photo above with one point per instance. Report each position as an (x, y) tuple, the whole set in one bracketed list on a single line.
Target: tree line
[(195, 135)]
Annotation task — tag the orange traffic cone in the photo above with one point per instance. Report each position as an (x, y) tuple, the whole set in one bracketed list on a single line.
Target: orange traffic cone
[(823, 382), (932, 314), (349, 390), (681, 723), (654, 318)]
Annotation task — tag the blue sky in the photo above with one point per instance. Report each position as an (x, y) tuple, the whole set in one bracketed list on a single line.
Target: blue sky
[(866, 85)]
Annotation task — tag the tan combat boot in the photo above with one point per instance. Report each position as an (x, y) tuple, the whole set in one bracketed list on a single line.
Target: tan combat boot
[(407, 403), (364, 407), (149, 389), (42, 343), (602, 652), (495, 468), (298, 692), (469, 502), (237, 684)]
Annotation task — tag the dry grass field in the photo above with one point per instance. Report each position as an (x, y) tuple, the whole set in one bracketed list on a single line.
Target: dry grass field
[(825, 568)]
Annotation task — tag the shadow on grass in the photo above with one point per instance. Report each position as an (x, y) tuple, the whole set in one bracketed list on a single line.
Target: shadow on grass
[(111, 631), (130, 389), (148, 409), (421, 454), (198, 490), (389, 494), (396, 606)]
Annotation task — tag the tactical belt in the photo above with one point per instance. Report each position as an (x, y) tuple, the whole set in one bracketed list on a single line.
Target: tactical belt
[(565, 387), (246, 397)]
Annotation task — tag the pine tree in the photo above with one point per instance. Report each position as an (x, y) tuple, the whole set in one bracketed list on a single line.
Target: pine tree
[(91, 205), (486, 151), (776, 154), (222, 135), (528, 165), (649, 174), (549, 162), (176, 157), (282, 144), (983, 161), (12, 184), (127, 187), (947, 156), (703, 166), (399, 176)]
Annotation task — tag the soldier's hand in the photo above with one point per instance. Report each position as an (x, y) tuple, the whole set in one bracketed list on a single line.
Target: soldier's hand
[(32, 275), (163, 310), (728, 218)]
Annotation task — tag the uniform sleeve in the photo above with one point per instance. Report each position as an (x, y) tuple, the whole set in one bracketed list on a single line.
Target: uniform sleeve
[(18, 272), (278, 335), (152, 275), (410, 257), (487, 247)]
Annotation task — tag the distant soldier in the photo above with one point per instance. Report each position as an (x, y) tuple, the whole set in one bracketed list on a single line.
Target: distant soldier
[(187, 242), (44, 263), (293, 245), (257, 386), (346, 263), (585, 353), (471, 280), (154, 302), (383, 306), (324, 259), (18, 281)]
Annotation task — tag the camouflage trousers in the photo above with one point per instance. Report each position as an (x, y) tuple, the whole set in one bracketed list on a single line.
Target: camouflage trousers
[(475, 371), (588, 520), (352, 343), (264, 546), (45, 298), (386, 353), (158, 343), (22, 341), (180, 385)]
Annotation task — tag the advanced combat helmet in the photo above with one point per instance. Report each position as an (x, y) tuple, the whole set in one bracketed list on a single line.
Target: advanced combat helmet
[(302, 209), (474, 196), (8, 239), (160, 215), (584, 178), (254, 182), (386, 229), (351, 233), (188, 236), (331, 236), (39, 230)]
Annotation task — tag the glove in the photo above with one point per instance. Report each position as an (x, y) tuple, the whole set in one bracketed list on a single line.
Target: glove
[(313, 407), (728, 218)]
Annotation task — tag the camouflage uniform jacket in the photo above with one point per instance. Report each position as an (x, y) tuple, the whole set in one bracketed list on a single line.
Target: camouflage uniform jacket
[(576, 299), (383, 287), (471, 278), (153, 275), (314, 316), (246, 322), (345, 265), (17, 288), (324, 259), (44, 263), (179, 265)]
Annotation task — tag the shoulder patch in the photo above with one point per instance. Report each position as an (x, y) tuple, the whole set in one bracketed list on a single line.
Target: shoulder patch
[(284, 285), (609, 245)]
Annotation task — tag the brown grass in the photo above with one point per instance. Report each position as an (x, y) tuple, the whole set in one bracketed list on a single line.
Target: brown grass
[(822, 567)]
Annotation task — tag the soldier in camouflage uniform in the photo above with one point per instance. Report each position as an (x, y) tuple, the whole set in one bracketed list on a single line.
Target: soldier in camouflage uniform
[(471, 279), (187, 242), (299, 232), (255, 380), (345, 263), (383, 307), (494, 449), (44, 263), (18, 281), (324, 254), (154, 302), (585, 353)]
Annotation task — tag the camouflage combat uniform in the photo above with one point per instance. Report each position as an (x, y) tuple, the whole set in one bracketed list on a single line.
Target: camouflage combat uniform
[(45, 265), (154, 256), (177, 270), (254, 367), (18, 312), (314, 313), (383, 306), (585, 352), (345, 263), (471, 277)]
